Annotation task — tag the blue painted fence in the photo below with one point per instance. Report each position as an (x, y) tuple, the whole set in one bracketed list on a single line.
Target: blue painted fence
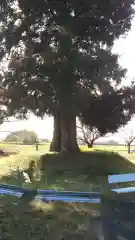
[(71, 196), (118, 220), (52, 195), (118, 209)]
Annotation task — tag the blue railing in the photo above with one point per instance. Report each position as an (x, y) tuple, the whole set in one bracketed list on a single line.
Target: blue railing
[(52, 195), (71, 196)]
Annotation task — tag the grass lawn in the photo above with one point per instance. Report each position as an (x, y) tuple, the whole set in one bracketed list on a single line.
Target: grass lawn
[(24, 149), (49, 221), (85, 171)]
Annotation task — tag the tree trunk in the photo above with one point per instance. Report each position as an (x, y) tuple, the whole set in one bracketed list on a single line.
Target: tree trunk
[(56, 141), (68, 134), (90, 145), (129, 150), (64, 135), (36, 146)]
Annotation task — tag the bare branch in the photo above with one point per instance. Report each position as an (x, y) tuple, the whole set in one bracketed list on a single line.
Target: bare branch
[(87, 134), (129, 136)]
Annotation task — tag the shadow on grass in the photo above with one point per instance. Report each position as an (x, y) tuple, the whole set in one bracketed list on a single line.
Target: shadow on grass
[(57, 220), (50, 221), (85, 171), (94, 163)]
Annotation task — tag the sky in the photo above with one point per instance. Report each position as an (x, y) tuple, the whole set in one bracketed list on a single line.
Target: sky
[(125, 47)]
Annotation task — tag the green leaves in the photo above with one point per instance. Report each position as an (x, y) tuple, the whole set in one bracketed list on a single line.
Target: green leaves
[(60, 48), (25, 137), (109, 111)]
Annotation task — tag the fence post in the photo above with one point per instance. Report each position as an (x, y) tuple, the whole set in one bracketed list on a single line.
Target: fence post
[(118, 211), (107, 202)]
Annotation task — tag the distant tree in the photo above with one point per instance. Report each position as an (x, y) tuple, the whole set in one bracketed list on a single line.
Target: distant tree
[(25, 136), (27, 141), (129, 138), (37, 144), (16, 139), (87, 134), (10, 137), (112, 143), (45, 140)]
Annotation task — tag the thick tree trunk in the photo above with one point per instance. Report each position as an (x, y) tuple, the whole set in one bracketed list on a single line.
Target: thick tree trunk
[(64, 134), (68, 134), (56, 141)]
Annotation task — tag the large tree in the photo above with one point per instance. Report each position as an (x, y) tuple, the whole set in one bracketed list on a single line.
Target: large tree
[(56, 49)]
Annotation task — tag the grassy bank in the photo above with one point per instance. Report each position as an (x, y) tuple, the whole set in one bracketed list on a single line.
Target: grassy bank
[(81, 171), (84, 171)]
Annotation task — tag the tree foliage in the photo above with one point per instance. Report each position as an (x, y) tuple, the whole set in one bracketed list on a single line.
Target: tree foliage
[(53, 46), (23, 136), (13, 138), (56, 49), (110, 111)]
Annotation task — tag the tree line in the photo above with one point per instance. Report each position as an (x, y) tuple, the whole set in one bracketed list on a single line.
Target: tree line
[(86, 136), (22, 137)]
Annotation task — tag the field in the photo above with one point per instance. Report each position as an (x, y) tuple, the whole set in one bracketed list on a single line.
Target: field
[(84, 171)]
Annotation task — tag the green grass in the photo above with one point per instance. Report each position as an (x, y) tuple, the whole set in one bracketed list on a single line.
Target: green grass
[(84, 171), (118, 148), (24, 149), (49, 221)]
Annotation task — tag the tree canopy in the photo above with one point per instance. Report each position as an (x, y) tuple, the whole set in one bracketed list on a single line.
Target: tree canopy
[(110, 111), (22, 137), (56, 50)]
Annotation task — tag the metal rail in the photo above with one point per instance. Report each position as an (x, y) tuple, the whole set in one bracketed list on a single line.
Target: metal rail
[(70, 196), (52, 195)]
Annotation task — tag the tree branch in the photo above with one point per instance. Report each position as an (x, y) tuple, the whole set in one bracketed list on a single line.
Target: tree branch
[(89, 134)]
